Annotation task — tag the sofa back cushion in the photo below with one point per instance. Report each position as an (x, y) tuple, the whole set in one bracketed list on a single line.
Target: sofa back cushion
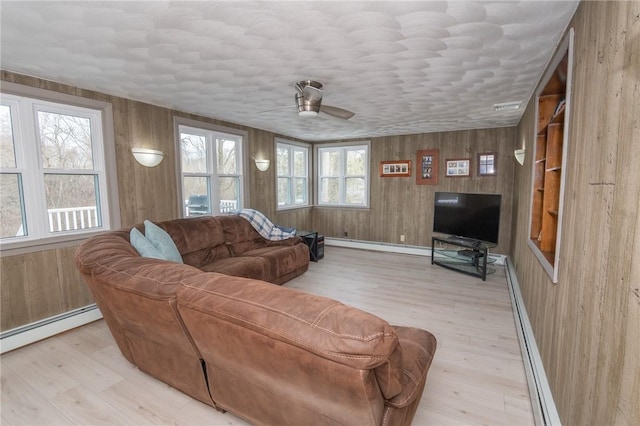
[(240, 235), (200, 240), (320, 325)]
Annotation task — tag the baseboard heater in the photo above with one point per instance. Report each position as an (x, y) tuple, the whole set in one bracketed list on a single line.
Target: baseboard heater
[(544, 407), (39, 330)]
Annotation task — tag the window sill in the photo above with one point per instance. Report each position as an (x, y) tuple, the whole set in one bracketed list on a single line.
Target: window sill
[(14, 248)]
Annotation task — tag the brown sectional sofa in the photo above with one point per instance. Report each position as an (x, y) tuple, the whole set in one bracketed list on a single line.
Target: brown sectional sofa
[(269, 354)]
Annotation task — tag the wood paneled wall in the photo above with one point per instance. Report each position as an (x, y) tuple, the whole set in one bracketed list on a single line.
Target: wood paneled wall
[(46, 283), (587, 326), (400, 207)]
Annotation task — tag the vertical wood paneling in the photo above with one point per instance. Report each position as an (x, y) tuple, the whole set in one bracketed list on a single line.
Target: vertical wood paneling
[(400, 207), (586, 325), (46, 283)]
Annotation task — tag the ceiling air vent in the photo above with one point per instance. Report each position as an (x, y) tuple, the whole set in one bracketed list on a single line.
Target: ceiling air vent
[(507, 106)]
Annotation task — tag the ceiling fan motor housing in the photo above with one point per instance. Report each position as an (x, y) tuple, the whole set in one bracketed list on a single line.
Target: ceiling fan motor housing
[(306, 107), (308, 101)]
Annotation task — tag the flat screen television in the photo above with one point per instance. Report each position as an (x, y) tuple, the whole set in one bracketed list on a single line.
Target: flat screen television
[(475, 216)]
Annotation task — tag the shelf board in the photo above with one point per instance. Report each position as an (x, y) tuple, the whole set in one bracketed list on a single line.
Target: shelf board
[(540, 189), (549, 255), (554, 169), (542, 160), (556, 119), (553, 212)]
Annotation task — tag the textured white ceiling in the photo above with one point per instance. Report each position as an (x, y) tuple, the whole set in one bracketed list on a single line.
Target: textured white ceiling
[(402, 66)]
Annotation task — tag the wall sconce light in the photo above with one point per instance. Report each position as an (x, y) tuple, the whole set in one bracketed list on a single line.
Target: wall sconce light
[(262, 165), (519, 154), (148, 157)]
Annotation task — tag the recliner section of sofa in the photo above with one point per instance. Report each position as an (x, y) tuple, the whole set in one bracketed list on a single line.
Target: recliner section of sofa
[(279, 356)]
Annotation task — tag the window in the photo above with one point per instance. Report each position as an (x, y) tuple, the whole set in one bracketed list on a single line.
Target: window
[(487, 164), (52, 171), (293, 174), (343, 175), (211, 162)]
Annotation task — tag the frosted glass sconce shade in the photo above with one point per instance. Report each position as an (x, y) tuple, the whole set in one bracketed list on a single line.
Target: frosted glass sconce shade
[(519, 154), (148, 157), (262, 165)]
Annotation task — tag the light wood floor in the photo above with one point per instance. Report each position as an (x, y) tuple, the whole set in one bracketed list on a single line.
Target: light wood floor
[(477, 376)]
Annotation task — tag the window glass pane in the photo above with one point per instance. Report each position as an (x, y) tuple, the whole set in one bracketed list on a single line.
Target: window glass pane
[(11, 206), (283, 161), (7, 153), (284, 196), (356, 162), (355, 191), (65, 141), (329, 190), (229, 193), (300, 163), (227, 157), (301, 191), (196, 191), (71, 202), (330, 163), (194, 153)]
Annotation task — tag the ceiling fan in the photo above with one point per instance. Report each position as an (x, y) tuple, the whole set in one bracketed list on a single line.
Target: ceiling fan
[(309, 101)]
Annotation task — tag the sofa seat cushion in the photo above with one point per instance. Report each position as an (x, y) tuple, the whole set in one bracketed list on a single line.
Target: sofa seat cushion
[(418, 347), (247, 267), (281, 260)]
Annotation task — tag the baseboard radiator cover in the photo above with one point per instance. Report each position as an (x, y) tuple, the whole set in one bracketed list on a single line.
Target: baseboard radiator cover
[(39, 330), (544, 407), (393, 248)]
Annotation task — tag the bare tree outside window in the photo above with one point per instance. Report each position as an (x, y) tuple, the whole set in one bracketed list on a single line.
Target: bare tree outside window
[(11, 207), (52, 160), (201, 183), (65, 145), (343, 175)]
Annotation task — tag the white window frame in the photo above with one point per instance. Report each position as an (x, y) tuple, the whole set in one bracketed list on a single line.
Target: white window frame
[(343, 147), (28, 101), (292, 147), (210, 132)]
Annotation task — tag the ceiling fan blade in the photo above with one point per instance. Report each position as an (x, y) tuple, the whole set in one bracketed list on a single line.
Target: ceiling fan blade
[(312, 94), (276, 108), (337, 112)]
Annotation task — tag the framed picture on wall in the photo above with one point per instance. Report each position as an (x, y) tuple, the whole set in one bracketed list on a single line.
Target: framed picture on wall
[(398, 168), (458, 167), (487, 164), (427, 167)]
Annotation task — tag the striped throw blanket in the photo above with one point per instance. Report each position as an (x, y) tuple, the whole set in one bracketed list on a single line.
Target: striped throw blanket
[(264, 226)]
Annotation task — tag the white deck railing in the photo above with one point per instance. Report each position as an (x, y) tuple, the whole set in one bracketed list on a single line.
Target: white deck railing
[(71, 218), (227, 206)]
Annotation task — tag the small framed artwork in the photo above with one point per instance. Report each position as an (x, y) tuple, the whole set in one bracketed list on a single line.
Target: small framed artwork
[(458, 167), (399, 168), (427, 167), (487, 164)]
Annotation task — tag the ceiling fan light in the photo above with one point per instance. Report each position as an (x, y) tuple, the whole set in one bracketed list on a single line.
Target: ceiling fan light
[(306, 108)]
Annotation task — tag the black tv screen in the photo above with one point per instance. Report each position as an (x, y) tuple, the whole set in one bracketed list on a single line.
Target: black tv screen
[(475, 216)]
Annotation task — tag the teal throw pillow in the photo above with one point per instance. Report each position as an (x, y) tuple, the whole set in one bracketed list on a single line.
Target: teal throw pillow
[(162, 241), (143, 245)]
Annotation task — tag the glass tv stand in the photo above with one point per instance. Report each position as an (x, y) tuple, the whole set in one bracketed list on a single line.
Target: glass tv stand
[(464, 255)]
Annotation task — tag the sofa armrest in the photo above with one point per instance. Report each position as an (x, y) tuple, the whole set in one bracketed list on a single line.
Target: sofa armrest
[(418, 348), (317, 324)]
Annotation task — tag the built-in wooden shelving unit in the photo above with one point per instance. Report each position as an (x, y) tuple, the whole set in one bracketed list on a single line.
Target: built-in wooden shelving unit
[(546, 198)]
